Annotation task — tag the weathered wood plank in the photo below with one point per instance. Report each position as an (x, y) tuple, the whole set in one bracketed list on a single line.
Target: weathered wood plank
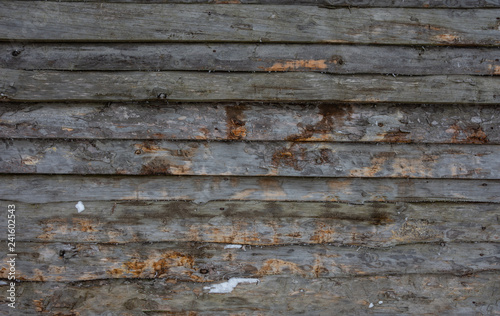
[(19, 85), (188, 261), (415, 294), (338, 59), (329, 3), (249, 159), (465, 124), (259, 223), (63, 188), (43, 21)]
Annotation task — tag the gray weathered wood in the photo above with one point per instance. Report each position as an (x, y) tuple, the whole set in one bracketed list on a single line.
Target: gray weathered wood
[(259, 223), (186, 261), (340, 59), (329, 3), (19, 85), (43, 21), (399, 123), (60, 188), (414, 294), (138, 157)]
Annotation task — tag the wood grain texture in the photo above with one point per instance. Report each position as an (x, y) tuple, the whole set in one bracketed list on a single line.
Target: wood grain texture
[(336, 59), (329, 3), (59, 188), (19, 85), (314, 121), (43, 21), (249, 159), (187, 261), (259, 223), (414, 294)]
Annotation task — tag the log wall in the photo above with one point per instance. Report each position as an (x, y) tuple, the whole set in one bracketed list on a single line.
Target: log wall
[(306, 157)]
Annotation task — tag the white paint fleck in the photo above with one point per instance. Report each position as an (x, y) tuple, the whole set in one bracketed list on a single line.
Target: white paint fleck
[(79, 206), (3, 283), (380, 302), (228, 287), (371, 305), (232, 246)]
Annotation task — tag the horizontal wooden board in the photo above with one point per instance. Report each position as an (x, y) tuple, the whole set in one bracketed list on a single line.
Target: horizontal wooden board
[(62, 188), (399, 123), (43, 21), (329, 3), (338, 59), (19, 85), (414, 294), (139, 157), (187, 261), (259, 223)]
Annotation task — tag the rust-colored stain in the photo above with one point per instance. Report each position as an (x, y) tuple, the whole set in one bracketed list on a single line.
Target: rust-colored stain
[(446, 38), (39, 305), (322, 234), (163, 166), (331, 116), (158, 135), (206, 133), (277, 266), (272, 187), (319, 269), (286, 157), (468, 134), (495, 69), (155, 267), (292, 65), (397, 137), (85, 225), (399, 166), (376, 165), (235, 122)]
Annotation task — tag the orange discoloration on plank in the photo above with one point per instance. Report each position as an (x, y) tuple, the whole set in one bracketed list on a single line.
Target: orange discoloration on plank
[(235, 122), (467, 134), (155, 267), (323, 234), (85, 225), (396, 137), (291, 65), (277, 266), (377, 163), (446, 38), (39, 305), (272, 188), (495, 69)]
